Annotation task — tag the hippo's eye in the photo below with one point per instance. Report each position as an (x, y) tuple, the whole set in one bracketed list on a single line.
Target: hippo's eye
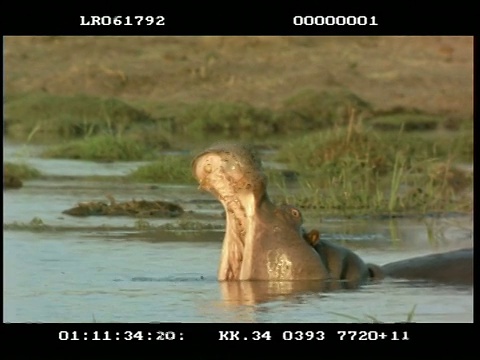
[(295, 213)]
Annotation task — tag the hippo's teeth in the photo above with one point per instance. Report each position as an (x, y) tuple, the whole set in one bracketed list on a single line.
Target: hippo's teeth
[(207, 168), (202, 184)]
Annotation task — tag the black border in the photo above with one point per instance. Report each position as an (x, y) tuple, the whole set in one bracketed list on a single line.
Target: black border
[(239, 19), (433, 338)]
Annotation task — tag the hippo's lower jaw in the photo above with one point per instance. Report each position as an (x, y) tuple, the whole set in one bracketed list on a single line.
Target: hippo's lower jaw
[(259, 244)]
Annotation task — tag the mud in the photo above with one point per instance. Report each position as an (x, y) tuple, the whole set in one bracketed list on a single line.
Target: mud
[(135, 208)]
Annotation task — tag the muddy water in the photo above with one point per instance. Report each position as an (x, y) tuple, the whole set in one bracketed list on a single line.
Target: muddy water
[(106, 269)]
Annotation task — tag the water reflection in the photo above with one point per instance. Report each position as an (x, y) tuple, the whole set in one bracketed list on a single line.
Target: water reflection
[(236, 293)]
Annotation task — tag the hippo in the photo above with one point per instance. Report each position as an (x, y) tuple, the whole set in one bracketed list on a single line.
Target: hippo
[(259, 243), (264, 241)]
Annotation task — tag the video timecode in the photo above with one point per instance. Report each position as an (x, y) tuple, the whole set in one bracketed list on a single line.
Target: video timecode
[(120, 335)]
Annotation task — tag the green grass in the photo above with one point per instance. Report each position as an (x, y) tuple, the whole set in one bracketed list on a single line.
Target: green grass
[(166, 169), (350, 170), (102, 148), (43, 117), (50, 116)]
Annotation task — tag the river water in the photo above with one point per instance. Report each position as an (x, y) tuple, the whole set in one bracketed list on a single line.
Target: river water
[(59, 268)]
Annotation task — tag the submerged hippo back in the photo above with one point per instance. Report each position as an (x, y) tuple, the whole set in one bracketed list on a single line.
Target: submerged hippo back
[(453, 267)]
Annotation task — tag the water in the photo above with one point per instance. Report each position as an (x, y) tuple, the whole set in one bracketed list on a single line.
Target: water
[(104, 269)]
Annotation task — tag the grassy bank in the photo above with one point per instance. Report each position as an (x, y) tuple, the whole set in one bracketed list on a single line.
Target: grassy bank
[(48, 118), (349, 169), (349, 157)]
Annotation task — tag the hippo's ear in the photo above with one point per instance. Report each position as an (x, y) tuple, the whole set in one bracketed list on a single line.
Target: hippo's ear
[(312, 237), (375, 272)]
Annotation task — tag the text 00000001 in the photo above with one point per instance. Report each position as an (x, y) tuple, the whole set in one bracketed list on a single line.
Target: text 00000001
[(122, 20), (334, 20)]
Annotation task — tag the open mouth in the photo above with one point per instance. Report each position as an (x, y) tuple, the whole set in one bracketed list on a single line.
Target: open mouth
[(238, 183), (262, 241)]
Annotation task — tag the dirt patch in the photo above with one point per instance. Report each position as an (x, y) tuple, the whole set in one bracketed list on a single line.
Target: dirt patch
[(433, 74)]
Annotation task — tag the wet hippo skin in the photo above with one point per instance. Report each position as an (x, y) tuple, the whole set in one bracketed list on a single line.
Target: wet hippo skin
[(453, 267), (341, 262)]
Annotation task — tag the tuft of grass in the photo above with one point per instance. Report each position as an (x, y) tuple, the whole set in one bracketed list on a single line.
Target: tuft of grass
[(398, 167), (21, 171), (411, 313), (101, 148), (167, 169)]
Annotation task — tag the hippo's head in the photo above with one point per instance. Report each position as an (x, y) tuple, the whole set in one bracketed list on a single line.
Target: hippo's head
[(231, 172), (262, 241)]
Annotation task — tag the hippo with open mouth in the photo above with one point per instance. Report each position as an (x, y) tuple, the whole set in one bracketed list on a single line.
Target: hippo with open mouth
[(260, 243), (264, 241)]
